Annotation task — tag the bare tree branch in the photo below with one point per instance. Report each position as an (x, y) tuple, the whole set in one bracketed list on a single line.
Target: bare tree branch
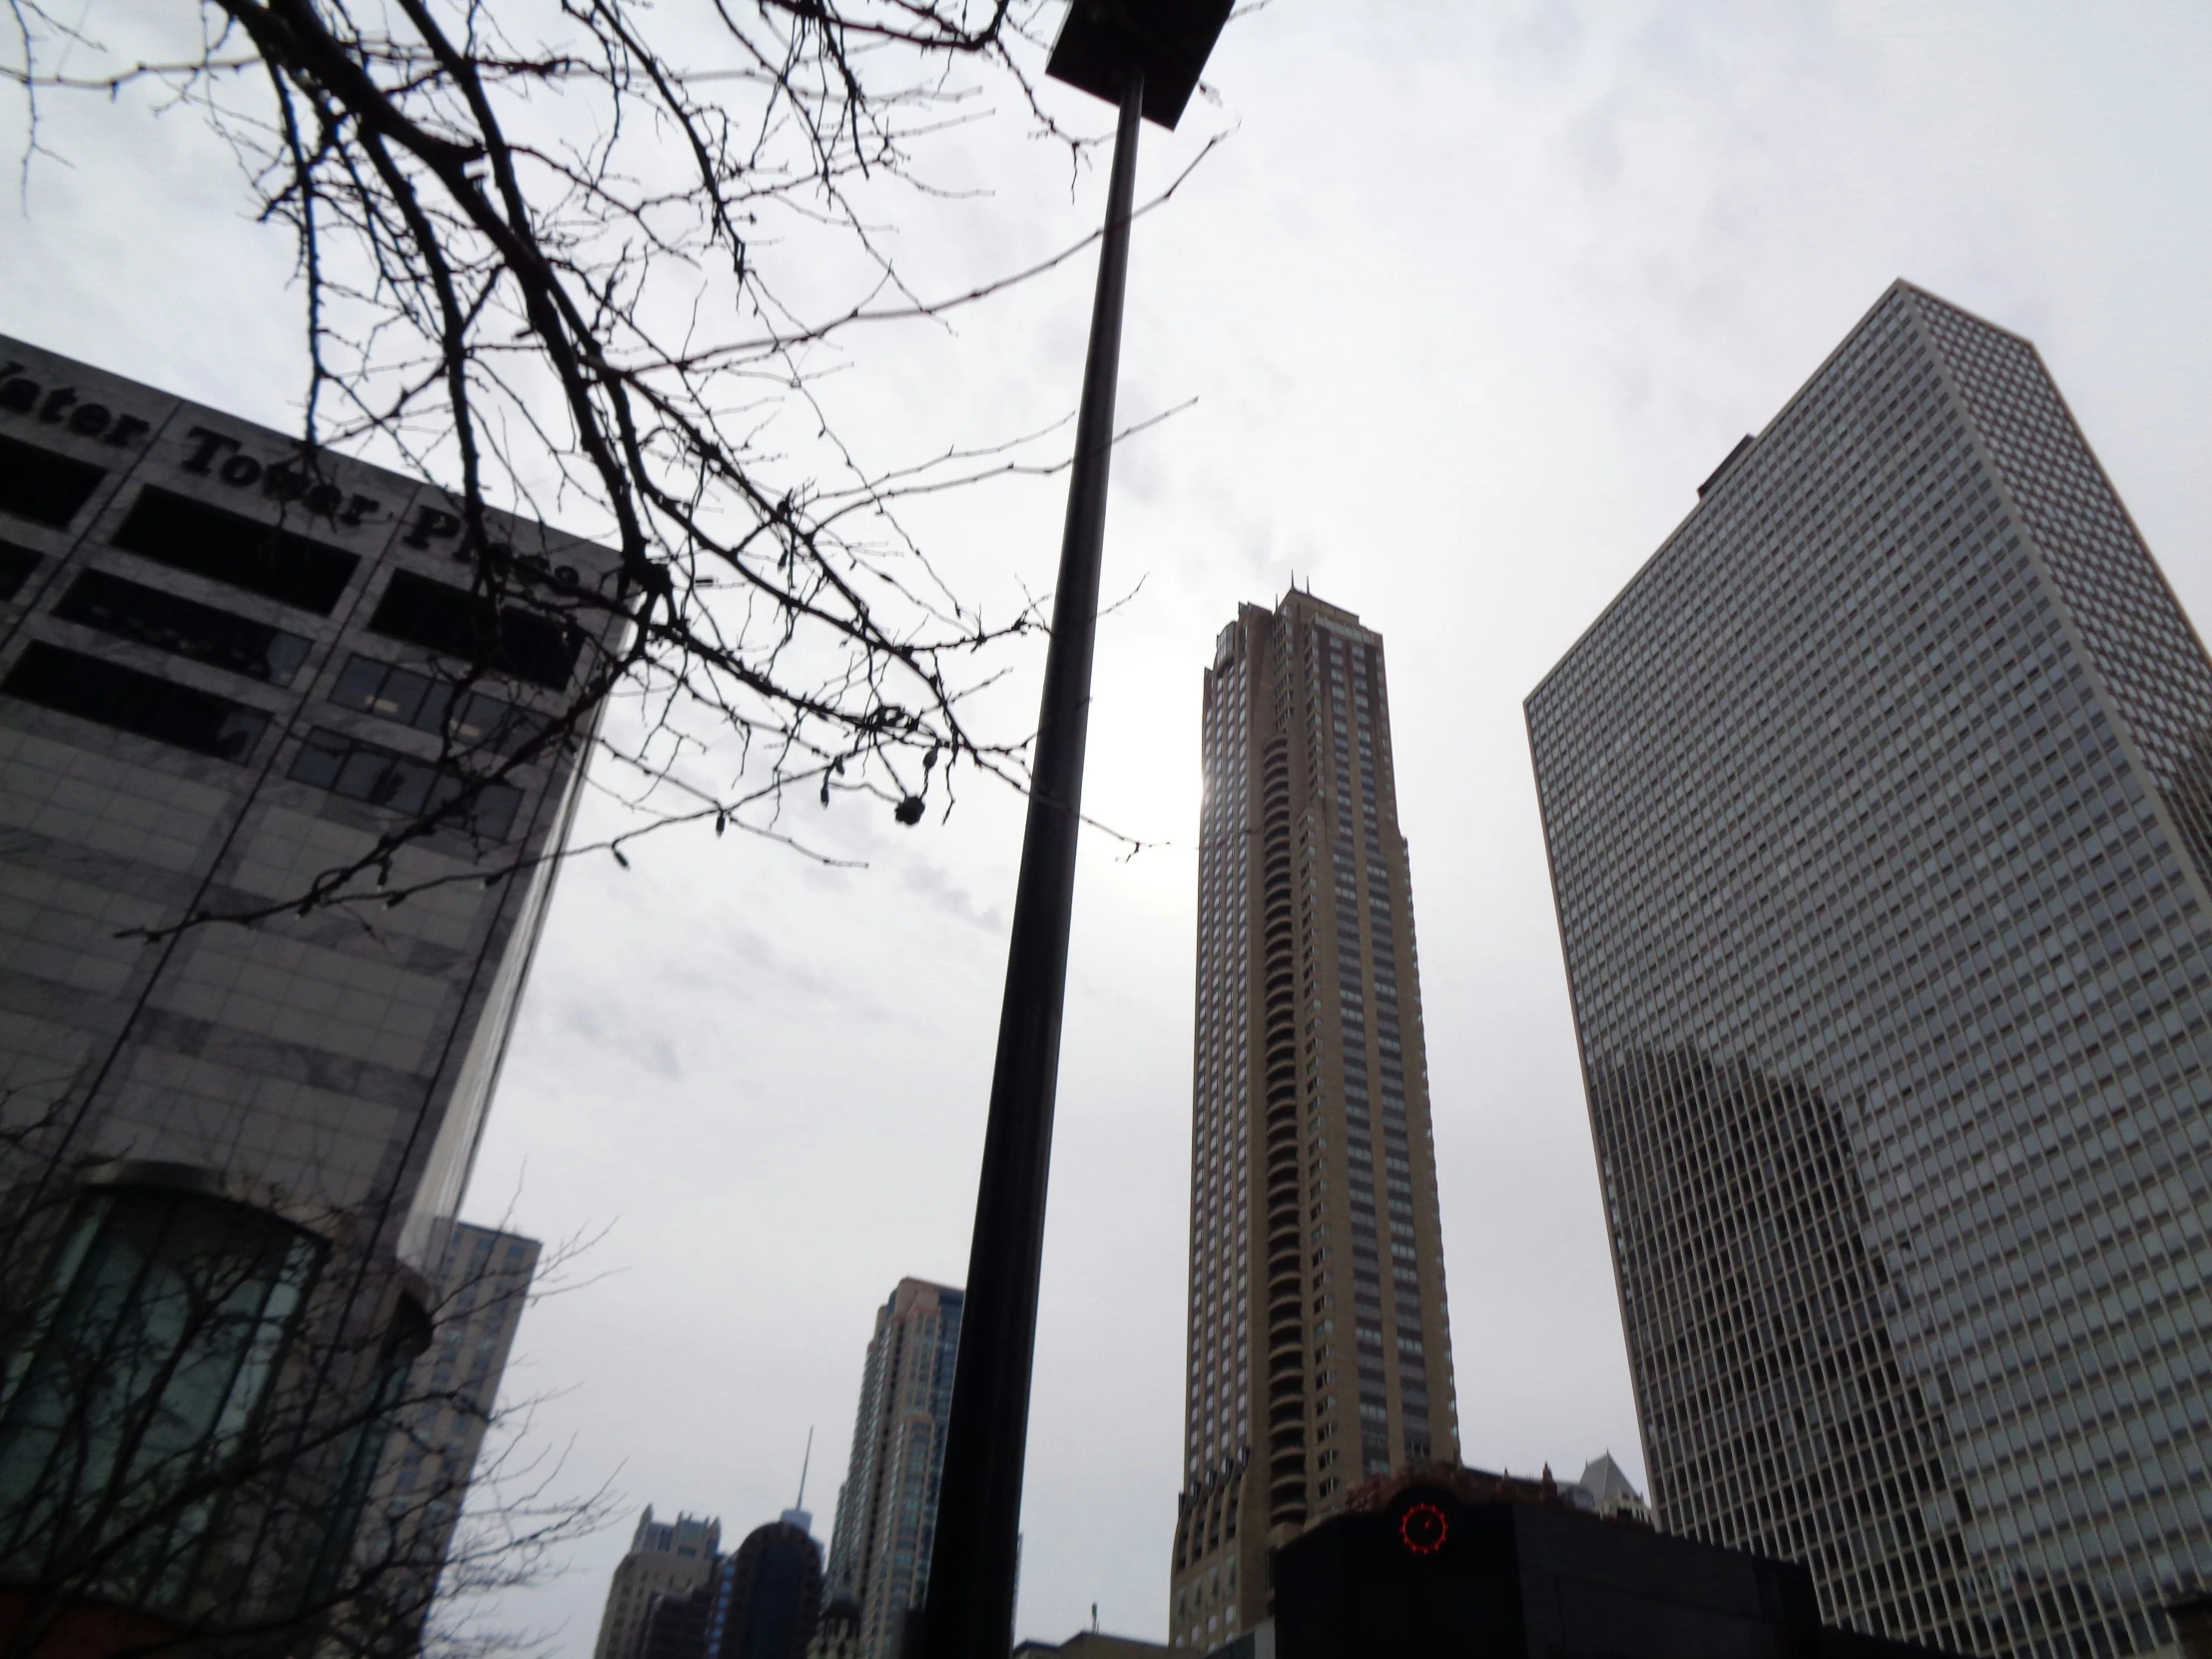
[(540, 257)]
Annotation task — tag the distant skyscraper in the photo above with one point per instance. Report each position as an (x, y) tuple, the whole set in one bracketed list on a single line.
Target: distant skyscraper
[(453, 1389), (837, 1631), (666, 1558), (1608, 1491), (1880, 814), (676, 1624), (887, 1507), (767, 1594), (1320, 1349)]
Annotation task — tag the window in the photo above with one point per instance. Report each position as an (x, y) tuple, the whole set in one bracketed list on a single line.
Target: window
[(16, 565), (362, 771), (143, 704), (457, 623), (164, 1318), (182, 627), (189, 535), (470, 719), (42, 486)]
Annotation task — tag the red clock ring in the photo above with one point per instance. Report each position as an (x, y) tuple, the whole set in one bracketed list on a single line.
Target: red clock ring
[(1423, 1529)]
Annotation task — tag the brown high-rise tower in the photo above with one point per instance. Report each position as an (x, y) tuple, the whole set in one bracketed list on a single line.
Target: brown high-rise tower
[(1320, 1351)]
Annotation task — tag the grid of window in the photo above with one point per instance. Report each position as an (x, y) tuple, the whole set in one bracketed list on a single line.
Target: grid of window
[(1892, 980), (2148, 658), (93, 689), (1346, 679), (364, 772), (473, 629), (42, 486), (182, 627), (184, 534), (469, 719)]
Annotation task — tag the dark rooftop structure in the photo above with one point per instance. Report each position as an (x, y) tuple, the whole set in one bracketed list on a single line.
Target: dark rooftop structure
[(1446, 1562), (1092, 1644)]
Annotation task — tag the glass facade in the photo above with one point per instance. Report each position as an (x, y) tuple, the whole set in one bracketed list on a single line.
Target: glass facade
[(1878, 815), (129, 1399)]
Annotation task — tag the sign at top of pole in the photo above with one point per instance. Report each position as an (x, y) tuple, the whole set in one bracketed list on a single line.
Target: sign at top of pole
[(1168, 41)]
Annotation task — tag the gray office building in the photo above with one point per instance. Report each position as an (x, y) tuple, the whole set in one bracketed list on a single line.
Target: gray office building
[(233, 1154), (1879, 817)]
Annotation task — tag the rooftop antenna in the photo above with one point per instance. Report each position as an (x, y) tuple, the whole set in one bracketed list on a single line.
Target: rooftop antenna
[(804, 1463)]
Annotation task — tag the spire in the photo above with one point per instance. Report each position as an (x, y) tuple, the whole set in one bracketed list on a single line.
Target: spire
[(797, 1514)]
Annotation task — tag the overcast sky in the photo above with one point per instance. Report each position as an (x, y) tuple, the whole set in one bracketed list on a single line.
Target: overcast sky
[(1471, 302)]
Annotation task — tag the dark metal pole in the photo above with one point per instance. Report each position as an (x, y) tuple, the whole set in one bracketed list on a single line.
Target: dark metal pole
[(970, 1612)]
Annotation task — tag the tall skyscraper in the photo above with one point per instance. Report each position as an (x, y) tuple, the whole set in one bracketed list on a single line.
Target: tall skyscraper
[(1880, 814), (232, 1154), (1320, 1349), (888, 1508), (665, 1561)]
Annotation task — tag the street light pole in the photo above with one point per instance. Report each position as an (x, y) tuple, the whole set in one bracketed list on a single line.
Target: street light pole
[(970, 1612), (1146, 57)]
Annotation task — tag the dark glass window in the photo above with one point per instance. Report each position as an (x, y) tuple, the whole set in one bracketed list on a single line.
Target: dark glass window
[(42, 486), (472, 720), (162, 1323), (457, 623), (133, 611), (16, 565), (362, 771), (184, 534), (129, 701), (380, 1414)]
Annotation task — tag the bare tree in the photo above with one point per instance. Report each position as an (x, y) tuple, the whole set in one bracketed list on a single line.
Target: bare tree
[(540, 259)]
